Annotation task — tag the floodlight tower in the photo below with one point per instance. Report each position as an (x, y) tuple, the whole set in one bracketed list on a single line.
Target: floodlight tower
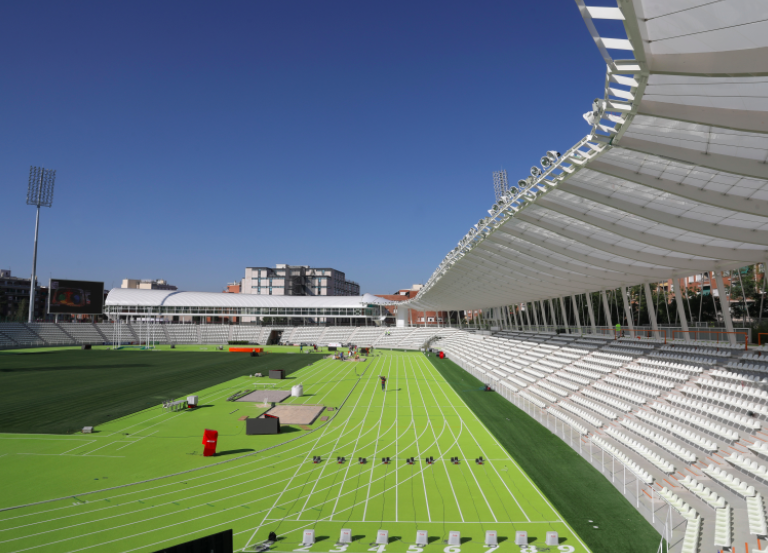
[(40, 194), (500, 183)]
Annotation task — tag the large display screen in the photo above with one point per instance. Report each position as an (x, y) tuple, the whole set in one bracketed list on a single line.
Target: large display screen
[(79, 297)]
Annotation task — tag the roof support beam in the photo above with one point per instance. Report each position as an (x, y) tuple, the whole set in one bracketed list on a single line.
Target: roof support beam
[(651, 240), (737, 119), (718, 199), (724, 231), (720, 162), (732, 63), (679, 288)]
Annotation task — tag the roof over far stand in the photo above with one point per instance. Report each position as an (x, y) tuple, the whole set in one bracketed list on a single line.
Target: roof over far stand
[(151, 298), (671, 181)]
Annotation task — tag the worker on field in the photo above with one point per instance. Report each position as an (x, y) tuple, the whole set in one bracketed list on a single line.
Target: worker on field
[(618, 330), (383, 383)]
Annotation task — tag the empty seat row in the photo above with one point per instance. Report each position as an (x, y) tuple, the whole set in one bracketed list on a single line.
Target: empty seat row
[(569, 421), (594, 421), (595, 407), (655, 459), (677, 348), (658, 439), (710, 497), (572, 377), (620, 405), (553, 388), (729, 481), (630, 396), (564, 383), (658, 373), (624, 349), (549, 397), (726, 399), (584, 372), (748, 465), (718, 412), (733, 388), (759, 447), (756, 515), (641, 473), (649, 382), (681, 367), (688, 512), (701, 422), (689, 358)]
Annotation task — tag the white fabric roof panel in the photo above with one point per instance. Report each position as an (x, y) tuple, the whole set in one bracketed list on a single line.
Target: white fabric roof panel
[(149, 298), (676, 185)]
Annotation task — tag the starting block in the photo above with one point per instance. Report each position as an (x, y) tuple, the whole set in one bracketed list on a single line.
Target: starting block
[(362, 460), (421, 538), (410, 460), (345, 538), (308, 539), (553, 538), (430, 460), (454, 538), (455, 460), (340, 460), (521, 538), (385, 460), (491, 538), (479, 461), (382, 537), (316, 459)]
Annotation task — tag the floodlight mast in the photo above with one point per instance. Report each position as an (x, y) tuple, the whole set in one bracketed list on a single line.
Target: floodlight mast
[(40, 194), (500, 183)]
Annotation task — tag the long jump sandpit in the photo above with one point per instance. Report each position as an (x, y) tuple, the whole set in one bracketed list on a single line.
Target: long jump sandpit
[(266, 396), (296, 414)]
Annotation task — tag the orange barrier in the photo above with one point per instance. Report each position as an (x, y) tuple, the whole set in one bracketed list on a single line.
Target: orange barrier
[(247, 350), (746, 336)]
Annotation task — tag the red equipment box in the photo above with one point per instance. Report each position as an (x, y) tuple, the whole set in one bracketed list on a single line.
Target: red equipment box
[(210, 439)]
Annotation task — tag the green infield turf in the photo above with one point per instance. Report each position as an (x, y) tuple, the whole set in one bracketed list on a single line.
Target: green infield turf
[(264, 484), (62, 391)]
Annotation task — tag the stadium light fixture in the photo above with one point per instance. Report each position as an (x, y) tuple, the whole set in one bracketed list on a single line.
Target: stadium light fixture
[(40, 194)]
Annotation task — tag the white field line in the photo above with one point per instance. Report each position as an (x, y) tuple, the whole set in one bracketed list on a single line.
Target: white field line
[(174, 484), (418, 449), (134, 441), (236, 519), (265, 516), (438, 376), (215, 526), (512, 460), (376, 447), (89, 442), (440, 452), (463, 455), (397, 403)]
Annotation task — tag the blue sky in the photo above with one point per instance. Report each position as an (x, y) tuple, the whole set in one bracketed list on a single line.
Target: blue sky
[(193, 139)]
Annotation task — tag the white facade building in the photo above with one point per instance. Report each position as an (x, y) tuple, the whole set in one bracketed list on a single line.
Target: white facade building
[(297, 280)]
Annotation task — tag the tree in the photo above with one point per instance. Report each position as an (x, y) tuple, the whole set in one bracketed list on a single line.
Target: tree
[(22, 311)]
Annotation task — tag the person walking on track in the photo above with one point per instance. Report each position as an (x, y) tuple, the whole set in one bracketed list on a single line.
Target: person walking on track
[(383, 383)]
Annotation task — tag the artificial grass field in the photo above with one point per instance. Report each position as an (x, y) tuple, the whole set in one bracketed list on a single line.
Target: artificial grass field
[(255, 490), (58, 392)]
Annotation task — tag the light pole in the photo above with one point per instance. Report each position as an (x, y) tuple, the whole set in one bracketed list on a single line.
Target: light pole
[(39, 193)]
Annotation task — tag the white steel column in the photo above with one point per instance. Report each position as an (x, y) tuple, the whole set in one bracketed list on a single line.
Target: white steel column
[(679, 287), (527, 316), (651, 309), (535, 315), (575, 308), (725, 305), (565, 316), (627, 310), (606, 309), (553, 313), (590, 311), (543, 314), (514, 314)]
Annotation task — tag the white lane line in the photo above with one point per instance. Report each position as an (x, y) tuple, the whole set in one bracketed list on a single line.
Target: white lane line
[(89, 442), (134, 441), (440, 451), (376, 447), (438, 378), (418, 448)]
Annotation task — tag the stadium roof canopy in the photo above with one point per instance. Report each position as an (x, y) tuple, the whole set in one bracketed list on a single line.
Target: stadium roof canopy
[(128, 297), (671, 181)]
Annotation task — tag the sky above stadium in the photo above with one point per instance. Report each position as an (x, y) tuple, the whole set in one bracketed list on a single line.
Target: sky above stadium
[(193, 139)]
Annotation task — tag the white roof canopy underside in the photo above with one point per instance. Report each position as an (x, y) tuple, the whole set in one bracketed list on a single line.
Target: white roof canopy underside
[(672, 181), (154, 298)]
